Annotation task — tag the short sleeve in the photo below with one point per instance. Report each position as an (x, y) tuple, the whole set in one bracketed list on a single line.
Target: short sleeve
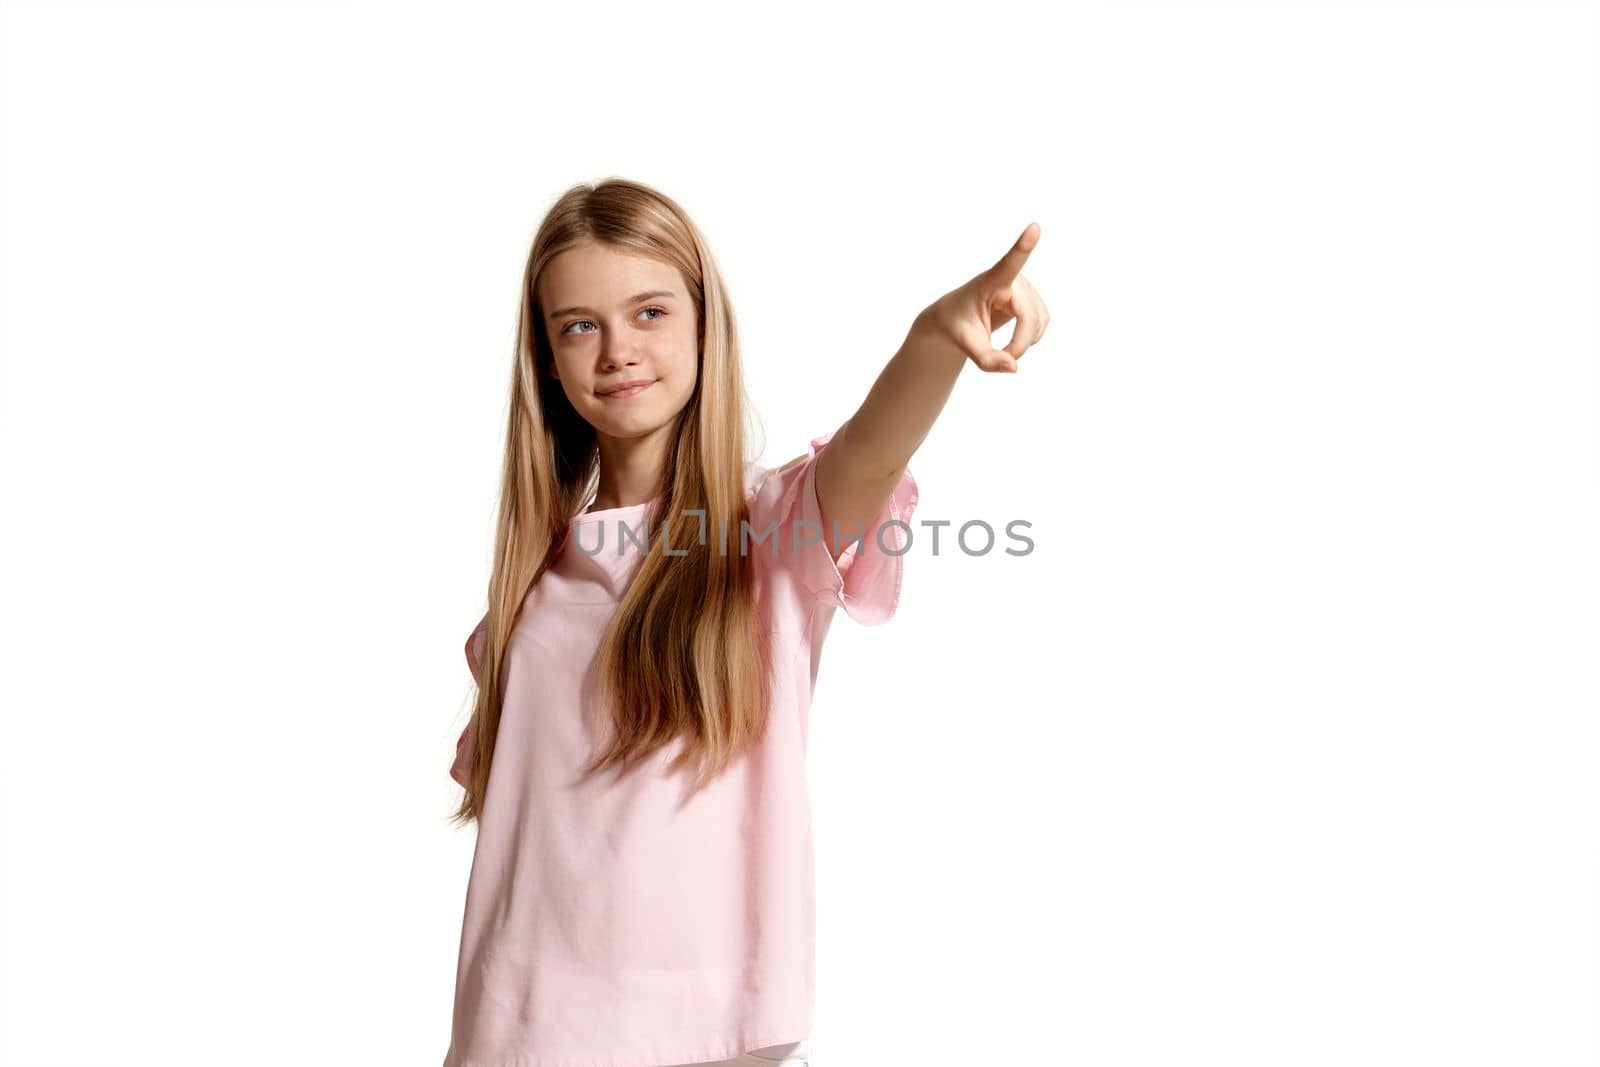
[(474, 647), (865, 580), (458, 769), (474, 650)]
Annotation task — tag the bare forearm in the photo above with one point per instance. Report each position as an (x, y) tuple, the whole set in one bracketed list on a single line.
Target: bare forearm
[(904, 402), (868, 455)]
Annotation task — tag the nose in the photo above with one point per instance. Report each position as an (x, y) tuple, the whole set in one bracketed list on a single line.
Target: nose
[(617, 354)]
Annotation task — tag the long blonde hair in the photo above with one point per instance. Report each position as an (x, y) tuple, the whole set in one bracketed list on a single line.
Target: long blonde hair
[(684, 655)]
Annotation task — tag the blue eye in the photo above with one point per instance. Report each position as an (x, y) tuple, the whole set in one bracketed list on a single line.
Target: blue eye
[(652, 307)]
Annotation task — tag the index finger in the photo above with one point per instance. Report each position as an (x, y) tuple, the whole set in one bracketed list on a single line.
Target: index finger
[(1010, 264)]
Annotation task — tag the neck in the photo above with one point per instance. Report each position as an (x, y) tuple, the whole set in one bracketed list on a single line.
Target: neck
[(631, 468)]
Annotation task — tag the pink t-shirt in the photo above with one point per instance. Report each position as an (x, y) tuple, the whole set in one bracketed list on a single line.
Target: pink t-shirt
[(605, 924)]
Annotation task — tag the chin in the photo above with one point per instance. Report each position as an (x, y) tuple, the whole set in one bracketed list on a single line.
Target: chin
[(634, 425), (635, 421)]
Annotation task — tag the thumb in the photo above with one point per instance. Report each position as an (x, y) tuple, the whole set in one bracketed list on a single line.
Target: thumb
[(1003, 360)]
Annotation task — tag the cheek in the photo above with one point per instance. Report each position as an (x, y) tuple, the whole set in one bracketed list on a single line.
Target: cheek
[(686, 357), (570, 375), (685, 370)]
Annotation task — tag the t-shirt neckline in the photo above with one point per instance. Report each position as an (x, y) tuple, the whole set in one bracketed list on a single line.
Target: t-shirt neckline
[(605, 513)]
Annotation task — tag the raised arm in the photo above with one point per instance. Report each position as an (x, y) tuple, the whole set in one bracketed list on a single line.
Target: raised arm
[(863, 461)]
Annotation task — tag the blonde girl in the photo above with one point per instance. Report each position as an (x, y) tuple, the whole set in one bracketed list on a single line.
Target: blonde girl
[(641, 892)]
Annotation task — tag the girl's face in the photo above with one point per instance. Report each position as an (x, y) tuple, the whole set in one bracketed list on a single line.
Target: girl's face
[(614, 318)]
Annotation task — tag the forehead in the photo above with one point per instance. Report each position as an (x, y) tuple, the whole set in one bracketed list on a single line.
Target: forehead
[(594, 274)]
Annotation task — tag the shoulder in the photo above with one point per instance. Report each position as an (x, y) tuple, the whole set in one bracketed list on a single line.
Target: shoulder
[(757, 476), (769, 490), (790, 472), (776, 493)]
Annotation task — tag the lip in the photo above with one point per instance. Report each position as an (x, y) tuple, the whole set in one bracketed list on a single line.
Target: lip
[(627, 389)]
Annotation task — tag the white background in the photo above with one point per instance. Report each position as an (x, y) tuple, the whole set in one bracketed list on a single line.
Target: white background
[(1281, 746)]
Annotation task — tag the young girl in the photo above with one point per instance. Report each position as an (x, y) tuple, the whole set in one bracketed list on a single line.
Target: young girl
[(641, 894)]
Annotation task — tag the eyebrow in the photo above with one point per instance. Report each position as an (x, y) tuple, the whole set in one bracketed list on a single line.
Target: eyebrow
[(636, 298)]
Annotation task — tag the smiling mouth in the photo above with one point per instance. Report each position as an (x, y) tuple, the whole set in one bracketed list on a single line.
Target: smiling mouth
[(626, 391)]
